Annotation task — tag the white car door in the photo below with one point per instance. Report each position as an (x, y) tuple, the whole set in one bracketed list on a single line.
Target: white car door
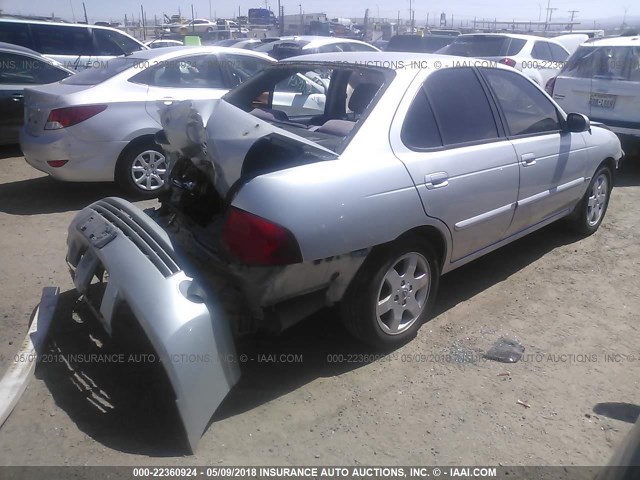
[(198, 78)]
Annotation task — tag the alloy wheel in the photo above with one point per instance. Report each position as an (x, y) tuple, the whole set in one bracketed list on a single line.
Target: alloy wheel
[(148, 170), (403, 293)]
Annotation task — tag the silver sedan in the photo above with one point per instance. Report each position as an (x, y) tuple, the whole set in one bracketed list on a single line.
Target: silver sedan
[(412, 166), (98, 125)]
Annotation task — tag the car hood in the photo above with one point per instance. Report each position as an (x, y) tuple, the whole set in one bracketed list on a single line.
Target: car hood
[(221, 144)]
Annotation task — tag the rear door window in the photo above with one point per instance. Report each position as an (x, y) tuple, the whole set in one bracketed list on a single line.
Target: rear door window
[(460, 106), (62, 40), (527, 109), (419, 129)]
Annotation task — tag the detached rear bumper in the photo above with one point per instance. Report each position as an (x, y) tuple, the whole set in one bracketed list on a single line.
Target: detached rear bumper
[(182, 320)]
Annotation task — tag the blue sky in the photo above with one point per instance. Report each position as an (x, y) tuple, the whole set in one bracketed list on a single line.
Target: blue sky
[(461, 9)]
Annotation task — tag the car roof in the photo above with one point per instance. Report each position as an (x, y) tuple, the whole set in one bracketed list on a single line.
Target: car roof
[(402, 62), (521, 36), (63, 24), (314, 41), (171, 52), (632, 41)]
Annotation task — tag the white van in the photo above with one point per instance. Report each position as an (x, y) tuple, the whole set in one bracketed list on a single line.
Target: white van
[(76, 46), (602, 80)]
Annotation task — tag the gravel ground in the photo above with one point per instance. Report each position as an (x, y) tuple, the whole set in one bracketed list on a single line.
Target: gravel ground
[(572, 303)]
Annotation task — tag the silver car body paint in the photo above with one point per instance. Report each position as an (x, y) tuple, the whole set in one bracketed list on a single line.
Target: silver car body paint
[(338, 208)]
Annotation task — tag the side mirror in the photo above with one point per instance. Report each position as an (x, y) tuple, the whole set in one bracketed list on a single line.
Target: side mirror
[(577, 122)]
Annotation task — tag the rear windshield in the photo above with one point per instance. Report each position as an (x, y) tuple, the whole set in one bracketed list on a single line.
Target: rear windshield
[(484, 46), (613, 63), (281, 50), (104, 71), (414, 43)]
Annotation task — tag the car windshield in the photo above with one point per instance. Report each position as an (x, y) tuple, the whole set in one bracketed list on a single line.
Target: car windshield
[(604, 62), (103, 71), (480, 46)]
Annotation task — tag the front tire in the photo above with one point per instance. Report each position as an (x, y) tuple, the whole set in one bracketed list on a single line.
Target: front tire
[(392, 293), (592, 208), (142, 170)]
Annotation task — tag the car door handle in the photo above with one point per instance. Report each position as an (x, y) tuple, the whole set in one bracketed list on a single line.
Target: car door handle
[(17, 97), (528, 159), (436, 180)]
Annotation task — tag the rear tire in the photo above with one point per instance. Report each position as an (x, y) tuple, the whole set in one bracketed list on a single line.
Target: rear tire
[(142, 169), (392, 293), (591, 210)]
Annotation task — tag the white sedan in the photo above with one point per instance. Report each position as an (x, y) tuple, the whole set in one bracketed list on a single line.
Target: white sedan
[(99, 125)]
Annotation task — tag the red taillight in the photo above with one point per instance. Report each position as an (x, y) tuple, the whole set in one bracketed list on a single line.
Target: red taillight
[(257, 241), (65, 117), (56, 163), (550, 86), (508, 61)]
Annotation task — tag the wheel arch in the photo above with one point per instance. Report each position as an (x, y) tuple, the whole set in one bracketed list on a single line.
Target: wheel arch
[(136, 142)]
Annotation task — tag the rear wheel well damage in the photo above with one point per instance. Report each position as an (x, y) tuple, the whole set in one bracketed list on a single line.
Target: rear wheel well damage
[(430, 235)]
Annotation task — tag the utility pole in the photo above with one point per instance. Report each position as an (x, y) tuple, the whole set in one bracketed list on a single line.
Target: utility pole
[(210, 17), (301, 20), (86, 20), (144, 31), (193, 25), (410, 16), (398, 24), (573, 13), (73, 14), (549, 14)]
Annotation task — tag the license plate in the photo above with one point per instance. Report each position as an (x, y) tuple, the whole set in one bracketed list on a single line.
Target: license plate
[(602, 100)]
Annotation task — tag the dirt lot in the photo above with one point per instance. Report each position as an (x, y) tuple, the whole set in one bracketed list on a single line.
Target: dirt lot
[(570, 302)]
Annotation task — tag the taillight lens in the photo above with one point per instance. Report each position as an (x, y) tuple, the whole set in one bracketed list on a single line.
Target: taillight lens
[(508, 61), (254, 240), (550, 86), (57, 163), (66, 117)]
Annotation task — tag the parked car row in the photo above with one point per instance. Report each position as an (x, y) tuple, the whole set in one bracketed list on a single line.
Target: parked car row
[(290, 180)]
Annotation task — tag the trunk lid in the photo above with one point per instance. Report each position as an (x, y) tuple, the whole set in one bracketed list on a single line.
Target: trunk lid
[(236, 144), (39, 101)]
